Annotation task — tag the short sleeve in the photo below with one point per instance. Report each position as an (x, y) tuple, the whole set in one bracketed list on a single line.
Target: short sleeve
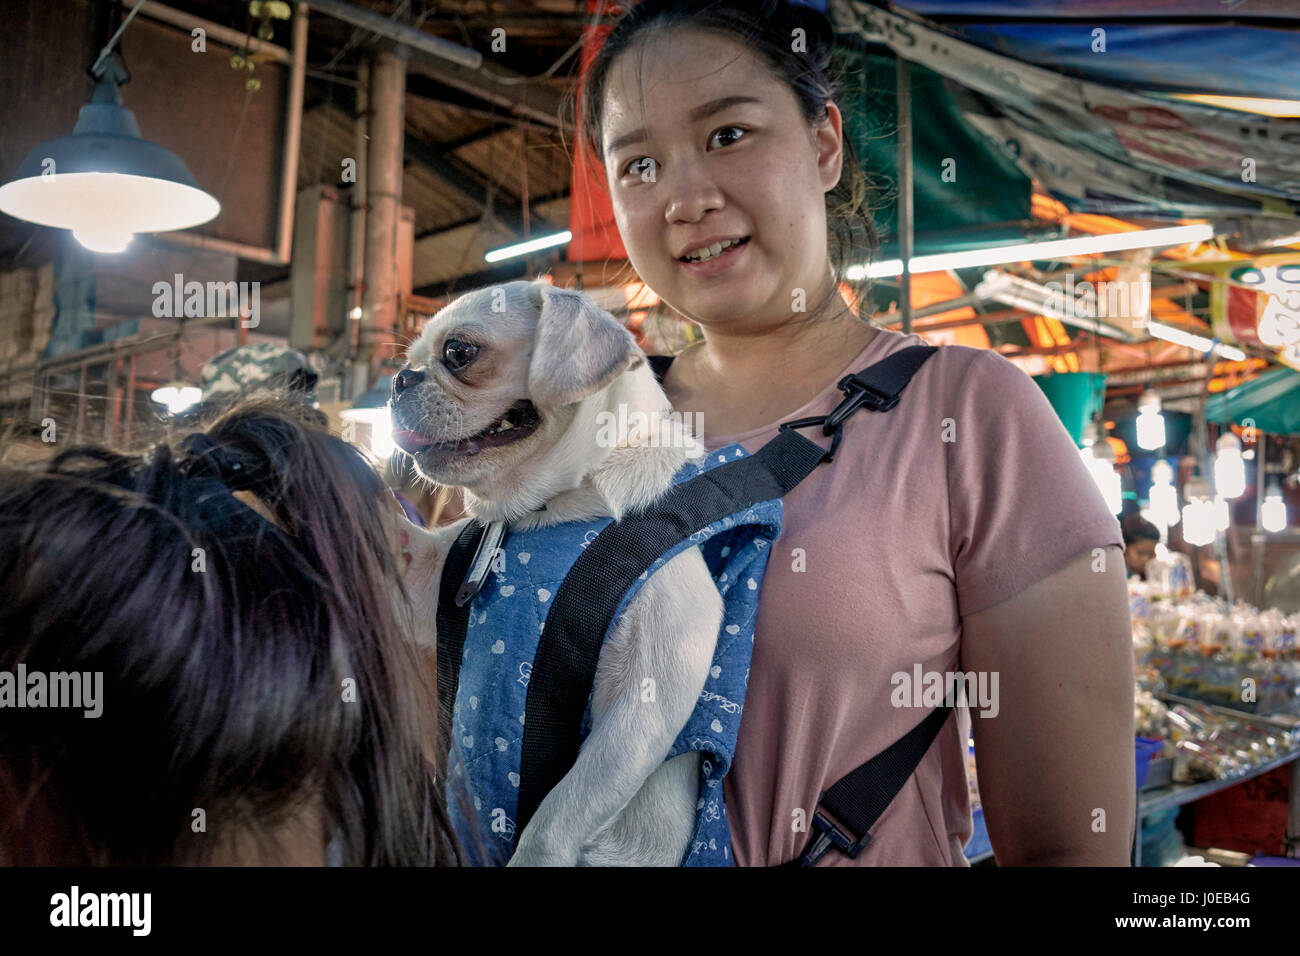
[(1021, 502)]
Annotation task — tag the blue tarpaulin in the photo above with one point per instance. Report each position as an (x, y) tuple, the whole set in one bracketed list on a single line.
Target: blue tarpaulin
[(1090, 116), (1188, 46)]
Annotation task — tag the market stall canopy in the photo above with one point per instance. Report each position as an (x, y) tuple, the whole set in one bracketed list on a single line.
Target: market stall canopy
[(1092, 106), (967, 193), (1272, 400)]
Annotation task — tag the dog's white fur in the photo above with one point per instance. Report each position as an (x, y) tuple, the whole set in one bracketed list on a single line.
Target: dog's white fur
[(621, 803)]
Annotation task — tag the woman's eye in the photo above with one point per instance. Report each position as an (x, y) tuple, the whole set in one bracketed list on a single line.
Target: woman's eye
[(629, 167), (725, 129), (457, 354), (733, 133)]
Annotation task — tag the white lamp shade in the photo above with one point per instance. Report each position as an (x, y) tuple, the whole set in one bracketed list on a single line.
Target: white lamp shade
[(104, 181)]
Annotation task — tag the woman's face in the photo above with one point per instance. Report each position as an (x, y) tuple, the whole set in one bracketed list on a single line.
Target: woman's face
[(685, 165)]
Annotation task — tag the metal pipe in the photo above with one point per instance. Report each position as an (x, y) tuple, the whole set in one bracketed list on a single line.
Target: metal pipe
[(293, 134), (383, 196), (905, 219), (130, 403), (297, 59), (357, 253), (213, 31), (81, 403), (456, 66), (403, 34), (1257, 536)]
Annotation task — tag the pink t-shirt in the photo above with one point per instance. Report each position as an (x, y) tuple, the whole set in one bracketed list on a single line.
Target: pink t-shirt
[(966, 493)]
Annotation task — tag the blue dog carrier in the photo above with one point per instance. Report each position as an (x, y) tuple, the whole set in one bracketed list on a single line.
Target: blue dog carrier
[(522, 616)]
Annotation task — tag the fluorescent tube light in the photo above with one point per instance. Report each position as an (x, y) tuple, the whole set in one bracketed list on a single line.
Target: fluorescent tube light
[(532, 245), (1028, 251)]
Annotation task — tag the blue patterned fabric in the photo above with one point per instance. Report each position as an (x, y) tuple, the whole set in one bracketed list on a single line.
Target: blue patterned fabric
[(505, 624)]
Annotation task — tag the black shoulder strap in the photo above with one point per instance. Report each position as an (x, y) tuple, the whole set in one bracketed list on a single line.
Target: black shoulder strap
[(453, 622), (857, 799), (584, 605)]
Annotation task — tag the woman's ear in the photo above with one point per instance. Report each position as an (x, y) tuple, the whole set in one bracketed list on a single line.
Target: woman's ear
[(578, 348), (828, 138)]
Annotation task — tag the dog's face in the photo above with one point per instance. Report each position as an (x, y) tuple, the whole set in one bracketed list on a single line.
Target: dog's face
[(496, 379)]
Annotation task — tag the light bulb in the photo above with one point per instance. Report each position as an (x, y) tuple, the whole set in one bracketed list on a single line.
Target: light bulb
[(1163, 500), (1108, 482), (1272, 515), (177, 398), (102, 238), (1220, 509), (1150, 423), (1229, 469), (1198, 522)]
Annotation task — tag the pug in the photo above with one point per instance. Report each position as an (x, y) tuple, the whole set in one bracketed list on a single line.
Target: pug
[(502, 394)]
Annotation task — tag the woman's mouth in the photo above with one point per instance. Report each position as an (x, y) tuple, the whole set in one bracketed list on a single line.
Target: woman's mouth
[(720, 259), (519, 421)]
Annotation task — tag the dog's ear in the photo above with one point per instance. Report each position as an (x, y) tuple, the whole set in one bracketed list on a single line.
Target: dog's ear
[(578, 348)]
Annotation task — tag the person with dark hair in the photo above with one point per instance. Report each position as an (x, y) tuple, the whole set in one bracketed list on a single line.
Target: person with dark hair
[(240, 600), (957, 531), (1140, 540)]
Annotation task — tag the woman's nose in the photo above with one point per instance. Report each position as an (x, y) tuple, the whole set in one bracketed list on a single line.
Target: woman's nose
[(692, 193)]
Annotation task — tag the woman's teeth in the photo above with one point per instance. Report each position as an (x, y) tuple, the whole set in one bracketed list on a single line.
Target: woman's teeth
[(703, 255)]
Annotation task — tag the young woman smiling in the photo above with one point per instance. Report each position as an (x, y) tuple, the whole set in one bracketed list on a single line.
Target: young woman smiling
[(958, 531)]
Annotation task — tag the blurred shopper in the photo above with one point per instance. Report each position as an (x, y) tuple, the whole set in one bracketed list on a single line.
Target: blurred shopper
[(1140, 540), (231, 615)]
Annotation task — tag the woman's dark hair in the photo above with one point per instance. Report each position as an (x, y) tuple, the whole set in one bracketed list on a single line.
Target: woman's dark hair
[(809, 69), (256, 675)]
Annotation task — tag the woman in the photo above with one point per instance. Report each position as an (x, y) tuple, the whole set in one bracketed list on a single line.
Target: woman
[(251, 696), (957, 532)]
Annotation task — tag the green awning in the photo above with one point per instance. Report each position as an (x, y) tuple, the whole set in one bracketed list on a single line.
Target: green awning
[(966, 194), (1272, 401)]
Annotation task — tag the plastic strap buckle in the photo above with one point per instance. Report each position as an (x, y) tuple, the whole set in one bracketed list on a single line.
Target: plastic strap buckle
[(837, 433), (858, 393), (827, 834), (493, 533)]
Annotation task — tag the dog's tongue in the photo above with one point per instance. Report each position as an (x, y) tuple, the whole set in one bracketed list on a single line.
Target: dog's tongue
[(410, 441)]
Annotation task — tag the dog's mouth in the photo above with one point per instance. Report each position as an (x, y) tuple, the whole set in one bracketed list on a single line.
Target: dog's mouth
[(519, 421)]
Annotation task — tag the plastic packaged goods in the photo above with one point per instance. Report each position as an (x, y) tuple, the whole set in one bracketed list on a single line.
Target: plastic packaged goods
[(1207, 745), (1150, 716), (1205, 649), (1170, 576)]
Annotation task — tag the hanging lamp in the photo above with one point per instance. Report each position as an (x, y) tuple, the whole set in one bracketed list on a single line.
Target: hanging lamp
[(104, 181)]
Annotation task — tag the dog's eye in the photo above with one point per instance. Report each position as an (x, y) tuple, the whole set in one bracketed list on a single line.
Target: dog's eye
[(457, 354)]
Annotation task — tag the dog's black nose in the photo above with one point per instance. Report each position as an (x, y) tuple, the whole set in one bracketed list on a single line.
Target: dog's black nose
[(406, 378)]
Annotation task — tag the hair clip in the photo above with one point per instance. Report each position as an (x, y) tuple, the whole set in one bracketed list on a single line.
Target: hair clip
[(219, 461)]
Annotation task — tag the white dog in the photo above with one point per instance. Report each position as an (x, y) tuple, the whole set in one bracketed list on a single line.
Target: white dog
[(501, 395)]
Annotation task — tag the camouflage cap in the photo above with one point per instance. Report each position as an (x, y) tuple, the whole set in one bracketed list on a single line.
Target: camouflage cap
[(261, 367)]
